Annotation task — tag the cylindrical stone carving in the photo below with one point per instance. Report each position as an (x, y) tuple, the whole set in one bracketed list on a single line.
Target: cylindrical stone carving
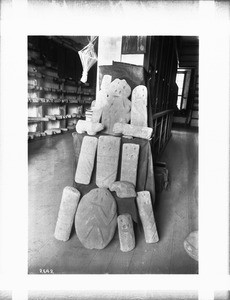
[(67, 210), (147, 217), (126, 232)]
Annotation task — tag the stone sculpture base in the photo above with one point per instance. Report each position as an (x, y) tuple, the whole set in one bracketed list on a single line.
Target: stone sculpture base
[(68, 207)]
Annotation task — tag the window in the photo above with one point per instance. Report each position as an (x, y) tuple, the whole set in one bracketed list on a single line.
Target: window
[(180, 77), (183, 82)]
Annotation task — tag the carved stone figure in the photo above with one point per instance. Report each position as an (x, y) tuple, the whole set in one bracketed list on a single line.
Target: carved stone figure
[(123, 189), (95, 220), (112, 103), (118, 105), (147, 217), (68, 207), (139, 106), (86, 160), (126, 232), (131, 130), (129, 162), (107, 160), (119, 88)]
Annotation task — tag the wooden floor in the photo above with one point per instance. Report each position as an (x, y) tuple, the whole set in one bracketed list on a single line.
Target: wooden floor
[(176, 213)]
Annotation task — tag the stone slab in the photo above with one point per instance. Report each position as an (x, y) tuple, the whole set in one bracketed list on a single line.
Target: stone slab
[(106, 80), (129, 162), (131, 130), (139, 106), (90, 127), (101, 99), (123, 189), (86, 160), (145, 210), (67, 210), (126, 232), (107, 160), (96, 115), (100, 102), (96, 219)]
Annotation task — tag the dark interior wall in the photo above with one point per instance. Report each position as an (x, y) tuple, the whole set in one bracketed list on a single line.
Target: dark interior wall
[(58, 50), (161, 65), (162, 70)]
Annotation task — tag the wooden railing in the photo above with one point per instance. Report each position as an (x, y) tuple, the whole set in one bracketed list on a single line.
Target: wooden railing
[(162, 124)]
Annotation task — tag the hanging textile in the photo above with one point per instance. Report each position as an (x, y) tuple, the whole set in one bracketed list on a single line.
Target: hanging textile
[(88, 58)]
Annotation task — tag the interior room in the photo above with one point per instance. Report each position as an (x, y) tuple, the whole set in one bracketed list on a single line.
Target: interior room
[(113, 154)]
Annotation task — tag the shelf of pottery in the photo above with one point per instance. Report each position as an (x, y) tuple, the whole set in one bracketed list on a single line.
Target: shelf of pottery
[(54, 104)]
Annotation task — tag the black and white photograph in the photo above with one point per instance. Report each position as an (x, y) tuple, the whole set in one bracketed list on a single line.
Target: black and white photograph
[(113, 154), (114, 149)]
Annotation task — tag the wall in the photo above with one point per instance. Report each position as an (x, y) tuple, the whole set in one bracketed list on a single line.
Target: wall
[(109, 50)]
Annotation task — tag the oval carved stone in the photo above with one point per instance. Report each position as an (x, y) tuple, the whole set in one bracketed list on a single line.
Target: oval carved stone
[(96, 219)]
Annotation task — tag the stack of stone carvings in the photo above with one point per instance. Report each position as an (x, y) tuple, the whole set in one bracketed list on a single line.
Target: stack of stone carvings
[(96, 214), (115, 114)]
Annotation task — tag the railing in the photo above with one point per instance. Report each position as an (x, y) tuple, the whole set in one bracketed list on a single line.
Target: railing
[(162, 124)]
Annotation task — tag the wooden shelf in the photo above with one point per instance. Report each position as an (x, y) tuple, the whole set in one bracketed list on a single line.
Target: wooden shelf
[(40, 135), (43, 101), (35, 74), (37, 119), (68, 95), (36, 61)]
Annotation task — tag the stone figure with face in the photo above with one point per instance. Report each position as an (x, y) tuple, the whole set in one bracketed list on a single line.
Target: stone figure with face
[(126, 233)]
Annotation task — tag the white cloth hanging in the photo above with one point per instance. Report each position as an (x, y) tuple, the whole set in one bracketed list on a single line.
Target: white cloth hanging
[(88, 58)]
